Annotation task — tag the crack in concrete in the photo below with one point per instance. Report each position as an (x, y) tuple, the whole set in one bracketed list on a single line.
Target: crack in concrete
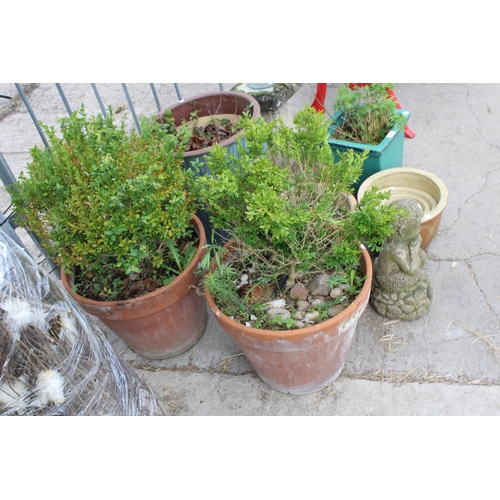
[(479, 127), (444, 231), (408, 378), (189, 368), (485, 183), (433, 258), (469, 264), (424, 378)]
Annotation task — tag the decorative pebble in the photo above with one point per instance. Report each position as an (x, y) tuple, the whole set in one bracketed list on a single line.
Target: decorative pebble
[(336, 292), (316, 302), (298, 315), (334, 310), (312, 316), (278, 311), (299, 291), (242, 281), (299, 324), (276, 303), (302, 305), (319, 285)]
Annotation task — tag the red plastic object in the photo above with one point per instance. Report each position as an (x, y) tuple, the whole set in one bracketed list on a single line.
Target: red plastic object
[(319, 99)]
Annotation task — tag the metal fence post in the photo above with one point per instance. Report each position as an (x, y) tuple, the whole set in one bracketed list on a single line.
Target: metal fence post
[(101, 105), (32, 113)]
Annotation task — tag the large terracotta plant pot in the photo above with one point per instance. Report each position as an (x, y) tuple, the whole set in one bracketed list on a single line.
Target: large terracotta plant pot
[(230, 105), (163, 323), (415, 184), (304, 360)]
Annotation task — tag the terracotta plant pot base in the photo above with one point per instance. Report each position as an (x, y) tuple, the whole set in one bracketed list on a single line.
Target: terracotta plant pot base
[(304, 360)]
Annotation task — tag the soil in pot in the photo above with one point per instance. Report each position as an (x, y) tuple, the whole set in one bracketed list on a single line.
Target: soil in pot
[(209, 130), (122, 286), (212, 118)]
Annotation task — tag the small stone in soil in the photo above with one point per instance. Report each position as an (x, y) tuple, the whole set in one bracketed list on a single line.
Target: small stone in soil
[(312, 316), (302, 305), (278, 303), (278, 311), (334, 310), (336, 292), (299, 292), (320, 285)]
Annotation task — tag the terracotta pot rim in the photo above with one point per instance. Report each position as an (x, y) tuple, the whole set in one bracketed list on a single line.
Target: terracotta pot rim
[(307, 331), (208, 95), (178, 281)]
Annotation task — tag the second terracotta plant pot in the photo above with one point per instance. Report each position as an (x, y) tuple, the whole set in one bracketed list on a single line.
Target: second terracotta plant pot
[(161, 324), (304, 360)]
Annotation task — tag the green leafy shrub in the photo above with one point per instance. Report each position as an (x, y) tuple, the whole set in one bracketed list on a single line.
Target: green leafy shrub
[(107, 203), (283, 200), (369, 113)]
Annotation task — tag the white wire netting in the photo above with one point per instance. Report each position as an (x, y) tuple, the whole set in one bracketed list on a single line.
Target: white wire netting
[(53, 361)]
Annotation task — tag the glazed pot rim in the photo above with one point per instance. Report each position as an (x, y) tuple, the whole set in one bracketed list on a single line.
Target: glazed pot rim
[(178, 281), (441, 186), (307, 331), (228, 93)]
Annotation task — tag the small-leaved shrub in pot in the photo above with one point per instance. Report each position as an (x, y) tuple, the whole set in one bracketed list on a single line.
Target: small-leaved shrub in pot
[(112, 207), (283, 201)]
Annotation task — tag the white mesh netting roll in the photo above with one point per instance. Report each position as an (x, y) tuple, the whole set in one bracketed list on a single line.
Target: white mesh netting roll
[(53, 361)]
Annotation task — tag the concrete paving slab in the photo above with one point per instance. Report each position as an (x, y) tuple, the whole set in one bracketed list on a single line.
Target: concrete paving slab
[(186, 393)]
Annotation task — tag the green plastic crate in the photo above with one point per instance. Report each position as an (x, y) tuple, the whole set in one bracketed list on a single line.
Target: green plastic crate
[(387, 154)]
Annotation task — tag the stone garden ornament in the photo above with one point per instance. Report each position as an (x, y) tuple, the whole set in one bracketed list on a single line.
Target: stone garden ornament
[(401, 289)]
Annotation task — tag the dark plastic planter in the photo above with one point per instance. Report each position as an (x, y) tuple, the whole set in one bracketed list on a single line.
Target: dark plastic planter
[(213, 104)]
